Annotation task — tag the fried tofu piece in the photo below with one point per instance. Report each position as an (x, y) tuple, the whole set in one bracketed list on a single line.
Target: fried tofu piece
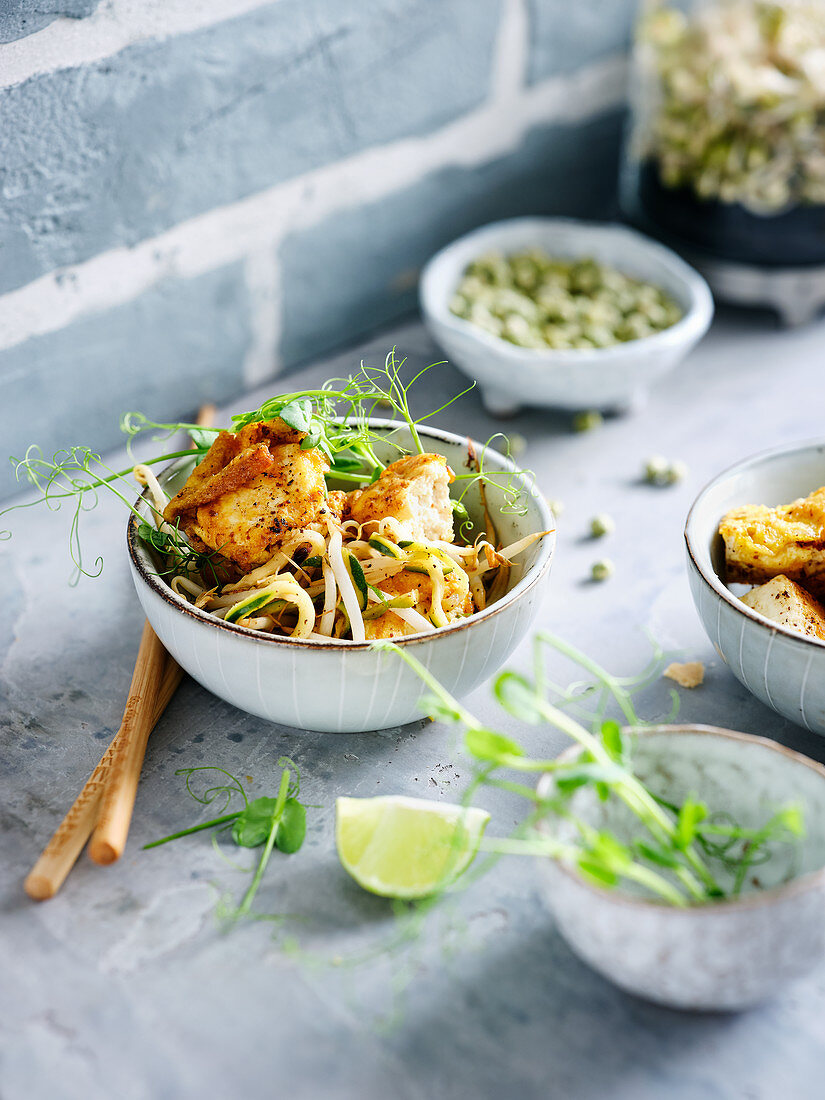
[(414, 493), (457, 602), (783, 601), (761, 543), (252, 489)]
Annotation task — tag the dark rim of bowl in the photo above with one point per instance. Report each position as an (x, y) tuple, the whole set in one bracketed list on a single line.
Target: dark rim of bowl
[(723, 592), (802, 884), (530, 579), (691, 325)]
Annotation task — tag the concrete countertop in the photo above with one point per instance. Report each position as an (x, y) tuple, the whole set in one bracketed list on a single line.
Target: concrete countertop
[(124, 985)]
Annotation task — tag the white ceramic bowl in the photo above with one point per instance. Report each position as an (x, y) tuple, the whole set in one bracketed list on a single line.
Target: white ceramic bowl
[(726, 955), (613, 378), (782, 668), (342, 686)]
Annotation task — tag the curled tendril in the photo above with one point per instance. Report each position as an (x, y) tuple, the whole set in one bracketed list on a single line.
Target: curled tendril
[(208, 796)]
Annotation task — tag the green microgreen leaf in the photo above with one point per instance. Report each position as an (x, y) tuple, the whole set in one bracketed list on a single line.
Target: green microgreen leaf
[(297, 414), (517, 696), (595, 870), (292, 827), (691, 814), (612, 739), (657, 853), (486, 744), (252, 826), (203, 438)]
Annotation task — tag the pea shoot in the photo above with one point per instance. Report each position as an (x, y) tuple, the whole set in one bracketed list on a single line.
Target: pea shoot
[(334, 417), (682, 854), (278, 822)]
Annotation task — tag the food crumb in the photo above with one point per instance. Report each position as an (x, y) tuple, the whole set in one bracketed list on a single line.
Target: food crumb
[(688, 675)]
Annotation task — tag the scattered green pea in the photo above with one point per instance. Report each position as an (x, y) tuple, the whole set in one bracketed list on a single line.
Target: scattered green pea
[(556, 506), (676, 471), (602, 569), (656, 468), (660, 471), (602, 525), (535, 301), (587, 421)]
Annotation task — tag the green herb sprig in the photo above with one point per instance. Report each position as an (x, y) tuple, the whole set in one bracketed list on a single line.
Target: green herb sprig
[(680, 850), (334, 417), (278, 822)]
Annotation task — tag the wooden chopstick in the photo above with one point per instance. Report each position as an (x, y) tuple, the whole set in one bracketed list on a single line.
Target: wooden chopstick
[(109, 837), (118, 771), (60, 854)]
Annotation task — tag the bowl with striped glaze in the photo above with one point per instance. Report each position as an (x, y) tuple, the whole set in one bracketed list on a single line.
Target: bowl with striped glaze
[(340, 686), (782, 668)]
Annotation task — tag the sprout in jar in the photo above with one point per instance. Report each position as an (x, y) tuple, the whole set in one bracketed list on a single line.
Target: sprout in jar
[(740, 110)]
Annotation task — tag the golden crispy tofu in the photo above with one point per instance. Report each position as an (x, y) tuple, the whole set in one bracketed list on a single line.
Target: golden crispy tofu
[(457, 602), (252, 489), (783, 601), (761, 542), (414, 492)]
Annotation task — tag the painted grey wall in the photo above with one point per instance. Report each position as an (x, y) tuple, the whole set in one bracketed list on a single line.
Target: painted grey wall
[(124, 175)]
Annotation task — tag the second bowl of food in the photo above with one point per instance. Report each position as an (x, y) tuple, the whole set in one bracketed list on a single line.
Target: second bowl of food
[(302, 576), (562, 313), (756, 563)]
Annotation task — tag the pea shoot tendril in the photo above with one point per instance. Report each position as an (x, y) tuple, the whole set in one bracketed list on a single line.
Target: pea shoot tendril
[(334, 417)]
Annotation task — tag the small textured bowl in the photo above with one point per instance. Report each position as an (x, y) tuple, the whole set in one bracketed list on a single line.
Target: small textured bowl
[(613, 378), (342, 686), (722, 956), (784, 669)]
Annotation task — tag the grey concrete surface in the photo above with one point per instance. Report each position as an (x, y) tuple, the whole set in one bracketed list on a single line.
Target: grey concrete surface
[(126, 986)]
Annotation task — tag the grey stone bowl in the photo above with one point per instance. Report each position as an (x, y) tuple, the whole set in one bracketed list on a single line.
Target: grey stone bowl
[(722, 956), (784, 669)]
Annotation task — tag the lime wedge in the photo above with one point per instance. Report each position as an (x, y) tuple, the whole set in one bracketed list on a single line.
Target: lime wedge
[(406, 847)]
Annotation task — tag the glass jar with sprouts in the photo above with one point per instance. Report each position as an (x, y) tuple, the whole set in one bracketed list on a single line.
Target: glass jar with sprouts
[(726, 148)]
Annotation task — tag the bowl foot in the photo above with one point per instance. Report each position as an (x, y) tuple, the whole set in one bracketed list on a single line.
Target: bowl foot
[(498, 402)]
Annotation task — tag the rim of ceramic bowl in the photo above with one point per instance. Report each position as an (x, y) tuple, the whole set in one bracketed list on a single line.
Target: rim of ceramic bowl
[(691, 326), (802, 884), (712, 579), (139, 556)]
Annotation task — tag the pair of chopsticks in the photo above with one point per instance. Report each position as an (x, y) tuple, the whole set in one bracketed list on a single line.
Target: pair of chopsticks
[(103, 809)]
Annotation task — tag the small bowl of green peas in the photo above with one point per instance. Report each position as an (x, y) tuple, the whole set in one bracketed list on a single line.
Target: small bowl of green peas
[(553, 312)]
